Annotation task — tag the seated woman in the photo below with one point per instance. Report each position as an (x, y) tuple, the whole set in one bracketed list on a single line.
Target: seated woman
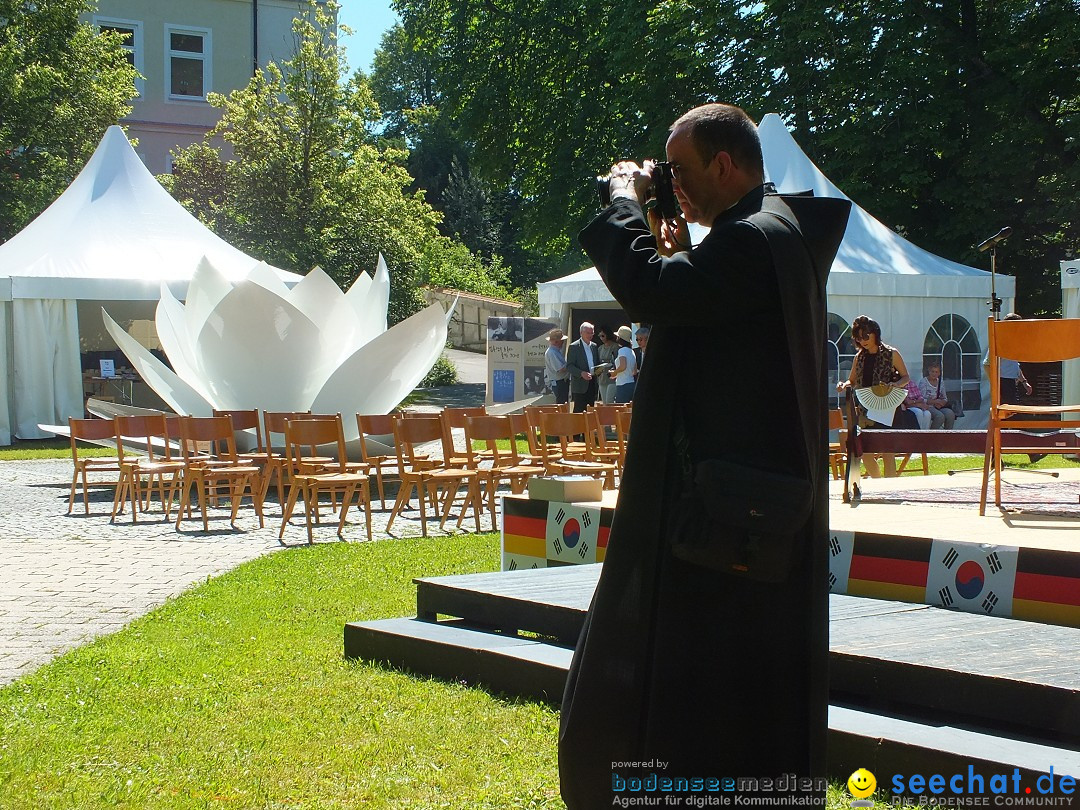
[(917, 405), (933, 392), (877, 363)]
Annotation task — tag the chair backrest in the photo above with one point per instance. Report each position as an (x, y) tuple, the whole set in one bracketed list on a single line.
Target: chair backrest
[(605, 414), (455, 418), (372, 424), (521, 424), (246, 420), (304, 434), (836, 419), (208, 436), (532, 412), (416, 430), (274, 422), (146, 428), (622, 431), (491, 429), (89, 430), (563, 427), (1035, 341)]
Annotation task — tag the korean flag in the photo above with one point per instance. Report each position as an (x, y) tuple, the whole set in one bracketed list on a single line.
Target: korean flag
[(974, 577), (572, 532), (841, 544)]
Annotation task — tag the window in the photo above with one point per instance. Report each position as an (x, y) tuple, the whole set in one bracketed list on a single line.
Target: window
[(187, 62), (839, 355), (130, 32), (952, 342)]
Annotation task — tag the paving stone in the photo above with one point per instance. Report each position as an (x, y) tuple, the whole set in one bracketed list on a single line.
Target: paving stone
[(70, 578)]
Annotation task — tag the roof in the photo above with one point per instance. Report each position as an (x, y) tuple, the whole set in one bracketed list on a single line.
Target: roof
[(114, 234), (873, 260)]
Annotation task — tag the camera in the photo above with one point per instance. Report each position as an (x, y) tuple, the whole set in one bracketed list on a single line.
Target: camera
[(660, 195)]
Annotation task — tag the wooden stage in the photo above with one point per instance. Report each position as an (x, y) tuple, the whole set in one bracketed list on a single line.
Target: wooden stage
[(914, 687)]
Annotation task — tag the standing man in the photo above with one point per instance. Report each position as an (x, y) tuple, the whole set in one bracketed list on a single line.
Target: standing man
[(580, 362), (556, 376), (712, 674)]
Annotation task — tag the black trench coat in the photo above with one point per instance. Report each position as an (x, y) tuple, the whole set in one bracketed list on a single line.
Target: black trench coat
[(711, 675)]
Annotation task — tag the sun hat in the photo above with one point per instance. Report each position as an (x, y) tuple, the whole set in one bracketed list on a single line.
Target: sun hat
[(624, 333), (556, 334)]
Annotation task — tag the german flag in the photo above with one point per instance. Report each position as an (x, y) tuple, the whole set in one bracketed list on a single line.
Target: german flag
[(1047, 587), (889, 567), (525, 527)]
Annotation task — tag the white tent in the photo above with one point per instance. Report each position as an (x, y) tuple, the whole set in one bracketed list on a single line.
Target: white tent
[(1070, 308), (113, 236), (920, 300)]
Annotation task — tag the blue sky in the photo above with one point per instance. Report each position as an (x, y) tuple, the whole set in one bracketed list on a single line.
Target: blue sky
[(368, 19)]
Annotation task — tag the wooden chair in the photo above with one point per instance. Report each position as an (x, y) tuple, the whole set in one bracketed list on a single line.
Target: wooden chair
[(208, 446), (312, 475), (409, 435), (837, 455), (1034, 341), (269, 461), (523, 427), (506, 465), (372, 426), (622, 436), (558, 459), (138, 474), (91, 430), (454, 419)]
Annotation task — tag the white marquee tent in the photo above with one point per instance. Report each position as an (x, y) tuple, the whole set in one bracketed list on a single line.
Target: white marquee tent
[(1070, 308), (918, 298), (111, 238)]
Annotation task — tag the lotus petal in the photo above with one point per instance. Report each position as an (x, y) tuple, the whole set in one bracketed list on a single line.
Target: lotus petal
[(320, 298), (381, 373), (175, 341), (259, 351), (207, 287), (177, 394), (370, 303), (265, 276)]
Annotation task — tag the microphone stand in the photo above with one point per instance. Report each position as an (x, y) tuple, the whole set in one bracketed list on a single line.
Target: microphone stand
[(995, 309)]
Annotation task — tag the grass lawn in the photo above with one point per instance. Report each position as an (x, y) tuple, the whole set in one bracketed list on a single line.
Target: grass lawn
[(236, 695)]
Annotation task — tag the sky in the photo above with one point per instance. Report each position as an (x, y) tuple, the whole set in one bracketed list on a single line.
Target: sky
[(368, 19)]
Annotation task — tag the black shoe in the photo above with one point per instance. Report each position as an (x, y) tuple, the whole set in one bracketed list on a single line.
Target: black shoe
[(1037, 457)]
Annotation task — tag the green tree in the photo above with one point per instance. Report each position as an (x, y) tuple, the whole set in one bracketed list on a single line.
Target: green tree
[(63, 85), (310, 186), (946, 119)]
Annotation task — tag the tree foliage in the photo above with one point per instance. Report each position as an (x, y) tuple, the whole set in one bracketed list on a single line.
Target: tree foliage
[(309, 185), (945, 119), (63, 85)]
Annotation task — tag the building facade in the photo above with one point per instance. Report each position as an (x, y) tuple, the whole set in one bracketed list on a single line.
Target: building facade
[(184, 51)]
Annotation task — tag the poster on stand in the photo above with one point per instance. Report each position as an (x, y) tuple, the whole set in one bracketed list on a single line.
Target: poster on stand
[(515, 349)]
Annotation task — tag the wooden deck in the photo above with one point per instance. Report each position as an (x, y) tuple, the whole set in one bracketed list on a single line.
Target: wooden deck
[(911, 685)]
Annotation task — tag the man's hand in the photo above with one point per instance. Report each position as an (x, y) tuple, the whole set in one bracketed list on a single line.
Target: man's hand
[(630, 181), (672, 236), (586, 375)]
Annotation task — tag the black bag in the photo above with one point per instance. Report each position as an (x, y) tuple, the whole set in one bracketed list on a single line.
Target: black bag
[(742, 520)]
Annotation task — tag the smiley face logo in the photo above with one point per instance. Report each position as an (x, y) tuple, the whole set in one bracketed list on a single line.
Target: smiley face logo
[(861, 783)]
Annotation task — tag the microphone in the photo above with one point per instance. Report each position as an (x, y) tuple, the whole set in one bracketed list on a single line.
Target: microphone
[(1000, 236)]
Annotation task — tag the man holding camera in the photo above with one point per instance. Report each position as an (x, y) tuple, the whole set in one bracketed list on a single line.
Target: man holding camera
[(689, 669)]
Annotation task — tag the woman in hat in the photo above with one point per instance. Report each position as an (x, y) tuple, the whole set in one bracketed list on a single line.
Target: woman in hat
[(625, 366)]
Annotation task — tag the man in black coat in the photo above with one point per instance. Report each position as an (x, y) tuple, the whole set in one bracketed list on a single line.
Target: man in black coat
[(686, 671)]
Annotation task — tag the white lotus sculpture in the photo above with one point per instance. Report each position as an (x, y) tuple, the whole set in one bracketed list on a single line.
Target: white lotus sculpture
[(257, 344)]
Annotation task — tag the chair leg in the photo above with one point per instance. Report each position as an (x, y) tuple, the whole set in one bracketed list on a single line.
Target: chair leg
[(287, 510), (379, 483), (403, 497), (346, 498), (365, 491), (309, 493), (987, 461)]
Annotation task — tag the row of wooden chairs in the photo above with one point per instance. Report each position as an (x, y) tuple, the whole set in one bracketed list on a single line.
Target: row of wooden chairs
[(209, 463)]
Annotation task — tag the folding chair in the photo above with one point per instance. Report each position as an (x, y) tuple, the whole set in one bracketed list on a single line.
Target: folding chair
[(208, 446), (557, 458), (506, 465), (1034, 341), (312, 475), (409, 435), (155, 432), (90, 430)]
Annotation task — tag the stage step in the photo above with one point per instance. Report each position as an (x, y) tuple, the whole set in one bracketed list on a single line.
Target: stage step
[(879, 740), (897, 657)]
